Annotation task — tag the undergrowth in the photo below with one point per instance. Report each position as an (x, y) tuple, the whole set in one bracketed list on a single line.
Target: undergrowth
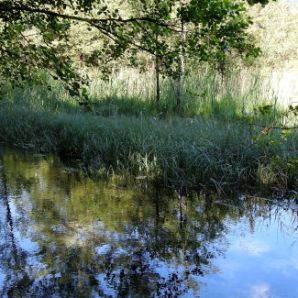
[(219, 140), (174, 152)]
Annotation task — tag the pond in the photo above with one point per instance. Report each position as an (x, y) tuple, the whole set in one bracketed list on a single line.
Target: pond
[(66, 235)]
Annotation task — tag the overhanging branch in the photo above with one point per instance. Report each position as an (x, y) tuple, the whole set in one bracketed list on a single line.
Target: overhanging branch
[(81, 18)]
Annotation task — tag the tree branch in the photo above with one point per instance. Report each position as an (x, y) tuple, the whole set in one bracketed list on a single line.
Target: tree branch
[(81, 18)]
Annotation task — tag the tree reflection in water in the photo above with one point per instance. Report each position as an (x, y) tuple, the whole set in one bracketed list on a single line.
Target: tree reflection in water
[(65, 235)]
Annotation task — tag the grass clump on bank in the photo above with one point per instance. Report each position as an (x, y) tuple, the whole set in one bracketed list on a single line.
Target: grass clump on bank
[(173, 152)]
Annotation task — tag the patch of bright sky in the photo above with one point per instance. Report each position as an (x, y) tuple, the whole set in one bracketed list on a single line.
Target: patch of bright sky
[(261, 263)]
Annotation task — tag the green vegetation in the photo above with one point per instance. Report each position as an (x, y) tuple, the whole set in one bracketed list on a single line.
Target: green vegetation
[(177, 99), (220, 146), (148, 116), (171, 34)]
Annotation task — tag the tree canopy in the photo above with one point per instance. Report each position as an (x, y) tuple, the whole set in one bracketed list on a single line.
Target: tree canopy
[(36, 34)]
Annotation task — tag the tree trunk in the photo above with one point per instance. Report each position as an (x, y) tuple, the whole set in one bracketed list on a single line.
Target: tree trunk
[(157, 79), (181, 67)]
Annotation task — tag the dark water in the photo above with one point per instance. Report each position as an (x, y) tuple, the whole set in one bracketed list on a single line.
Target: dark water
[(67, 236)]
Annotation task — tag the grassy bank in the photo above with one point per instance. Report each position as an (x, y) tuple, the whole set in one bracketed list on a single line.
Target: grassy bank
[(222, 137), (174, 152)]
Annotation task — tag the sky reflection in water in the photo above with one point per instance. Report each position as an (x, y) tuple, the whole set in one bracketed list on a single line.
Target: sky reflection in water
[(63, 235)]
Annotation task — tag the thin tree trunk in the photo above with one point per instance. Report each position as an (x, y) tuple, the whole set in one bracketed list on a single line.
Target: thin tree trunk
[(157, 79), (181, 66), (157, 70)]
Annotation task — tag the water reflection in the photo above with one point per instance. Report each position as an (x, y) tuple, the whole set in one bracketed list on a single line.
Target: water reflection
[(63, 235)]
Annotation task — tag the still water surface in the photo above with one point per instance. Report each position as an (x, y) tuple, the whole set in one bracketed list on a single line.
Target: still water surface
[(63, 235)]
